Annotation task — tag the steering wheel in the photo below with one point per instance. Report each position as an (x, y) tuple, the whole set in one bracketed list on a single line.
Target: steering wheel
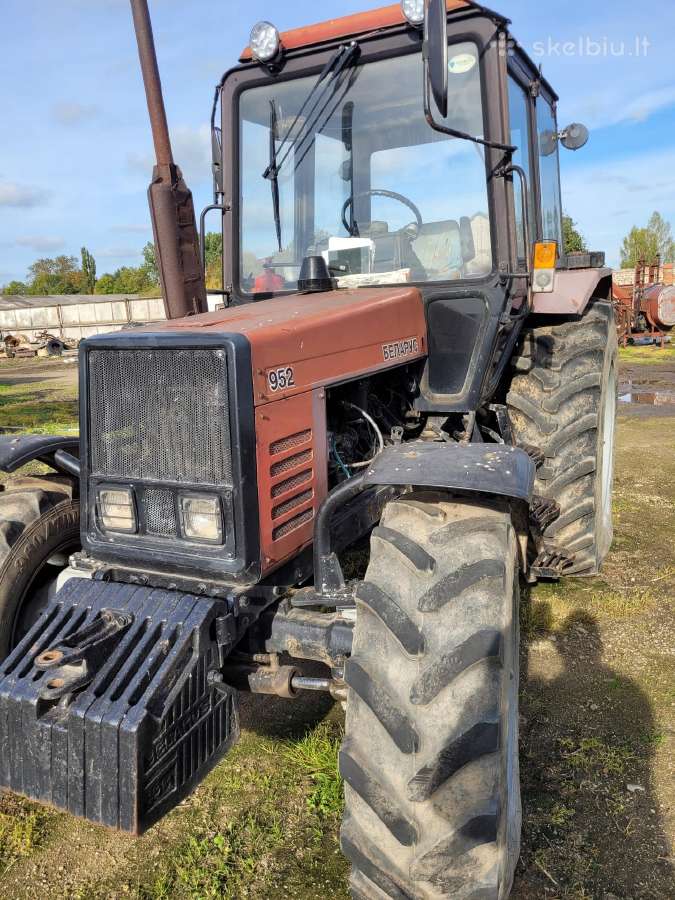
[(375, 192)]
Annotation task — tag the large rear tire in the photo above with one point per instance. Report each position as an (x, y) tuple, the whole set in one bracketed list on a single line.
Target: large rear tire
[(39, 528), (430, 756), (563, 399)]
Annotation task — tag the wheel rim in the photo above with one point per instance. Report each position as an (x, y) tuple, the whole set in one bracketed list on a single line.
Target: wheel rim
[(35, 596), (608, 427)]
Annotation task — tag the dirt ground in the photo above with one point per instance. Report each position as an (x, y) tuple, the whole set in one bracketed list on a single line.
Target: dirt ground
[(597, 729)]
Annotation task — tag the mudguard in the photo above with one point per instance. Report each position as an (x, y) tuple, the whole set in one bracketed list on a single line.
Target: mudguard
[(17, 450), (475, 468), (574, 290)]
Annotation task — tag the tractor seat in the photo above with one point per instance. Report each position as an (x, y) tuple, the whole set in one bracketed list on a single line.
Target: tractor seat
[(438, 247)]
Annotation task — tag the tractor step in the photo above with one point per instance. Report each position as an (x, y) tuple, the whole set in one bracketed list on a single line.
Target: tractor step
[(109, 708), (543, 512), (551, 563)]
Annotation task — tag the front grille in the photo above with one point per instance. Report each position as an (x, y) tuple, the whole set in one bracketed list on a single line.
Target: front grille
[(160, 414), (301, 519), (160, 512), (291, 462), (292, 503), (292, 440)]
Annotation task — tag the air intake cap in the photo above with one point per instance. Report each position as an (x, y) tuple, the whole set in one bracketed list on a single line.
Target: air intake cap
[(314, 276)]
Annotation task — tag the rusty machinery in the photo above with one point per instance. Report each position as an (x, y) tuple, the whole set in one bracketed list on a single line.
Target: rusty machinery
[(645, 308)]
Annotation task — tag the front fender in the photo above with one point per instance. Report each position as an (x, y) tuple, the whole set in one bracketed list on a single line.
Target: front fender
[(17, 450), (475, 468)]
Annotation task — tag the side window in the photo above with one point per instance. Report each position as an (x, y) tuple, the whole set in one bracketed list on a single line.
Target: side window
[(549, 174), (519, 105)]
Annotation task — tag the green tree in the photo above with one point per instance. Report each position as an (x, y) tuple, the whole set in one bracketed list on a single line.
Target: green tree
[(573, 239), (214, 260), (60, 275), (641, 244), (14, 288), (150, 263), (664, 237), (105, 284), (88, 270)]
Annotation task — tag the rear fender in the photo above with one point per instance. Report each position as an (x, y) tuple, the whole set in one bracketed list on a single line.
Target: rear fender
[(574, 289)]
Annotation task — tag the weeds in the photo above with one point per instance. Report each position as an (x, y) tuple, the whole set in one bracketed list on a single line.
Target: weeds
[(591, 756), (21, 831), (316, 755)]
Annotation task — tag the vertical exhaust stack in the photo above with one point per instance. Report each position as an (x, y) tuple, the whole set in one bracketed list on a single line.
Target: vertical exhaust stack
[(171, 206)]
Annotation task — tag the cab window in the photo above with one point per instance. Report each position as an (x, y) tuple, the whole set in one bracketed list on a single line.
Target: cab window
[(549, 174), (519, 114)]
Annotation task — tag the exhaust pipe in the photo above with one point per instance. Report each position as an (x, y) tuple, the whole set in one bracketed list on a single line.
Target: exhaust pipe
[(171, 205)]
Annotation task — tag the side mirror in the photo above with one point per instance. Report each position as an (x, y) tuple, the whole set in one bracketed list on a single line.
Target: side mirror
[(548, 143), (575, 136), (436, 51)]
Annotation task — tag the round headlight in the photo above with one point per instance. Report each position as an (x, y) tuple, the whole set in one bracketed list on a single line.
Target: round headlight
[(413, 10), (264, 41)]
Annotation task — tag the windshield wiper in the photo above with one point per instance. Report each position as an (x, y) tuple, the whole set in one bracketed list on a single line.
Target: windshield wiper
[(272, 171), (338, 62)]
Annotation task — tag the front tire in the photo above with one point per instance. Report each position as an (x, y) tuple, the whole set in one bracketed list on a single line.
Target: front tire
[(39, 528), (430, 756)]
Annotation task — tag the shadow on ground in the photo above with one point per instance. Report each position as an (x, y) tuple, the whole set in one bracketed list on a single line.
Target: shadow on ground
[(592, 821)]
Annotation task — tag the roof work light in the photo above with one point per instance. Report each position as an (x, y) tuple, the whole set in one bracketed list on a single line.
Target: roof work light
[(413, 10), (265, 42)]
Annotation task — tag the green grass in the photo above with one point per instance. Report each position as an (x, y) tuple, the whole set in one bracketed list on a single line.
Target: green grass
[(263, 826), (647, 354), (22, 830), (316, 756), (46, 407)]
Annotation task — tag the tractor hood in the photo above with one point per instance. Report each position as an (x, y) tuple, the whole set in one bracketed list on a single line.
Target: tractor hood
[(303, 341)]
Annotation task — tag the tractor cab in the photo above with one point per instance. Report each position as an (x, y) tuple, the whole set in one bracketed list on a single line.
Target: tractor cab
[(397, 158)]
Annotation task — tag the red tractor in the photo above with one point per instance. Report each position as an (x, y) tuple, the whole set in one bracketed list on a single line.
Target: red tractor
[(403, 355)]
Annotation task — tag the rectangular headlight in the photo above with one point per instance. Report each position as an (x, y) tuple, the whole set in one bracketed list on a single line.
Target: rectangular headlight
[(116, 509), (202, 519)]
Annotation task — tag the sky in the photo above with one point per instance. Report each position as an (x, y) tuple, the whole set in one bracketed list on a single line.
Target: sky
[(75, 148)]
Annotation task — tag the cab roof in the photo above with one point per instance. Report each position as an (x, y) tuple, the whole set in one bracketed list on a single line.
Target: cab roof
[(348, 26)]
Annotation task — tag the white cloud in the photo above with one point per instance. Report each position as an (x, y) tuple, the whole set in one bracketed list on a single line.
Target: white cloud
[(614, 106), (71, 113), (40, 243), (21, 195)]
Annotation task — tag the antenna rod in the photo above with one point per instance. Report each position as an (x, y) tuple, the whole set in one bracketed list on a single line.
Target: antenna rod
[(152, 82)]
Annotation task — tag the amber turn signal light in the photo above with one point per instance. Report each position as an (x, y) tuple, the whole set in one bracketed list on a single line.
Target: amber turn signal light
[(545, 254)]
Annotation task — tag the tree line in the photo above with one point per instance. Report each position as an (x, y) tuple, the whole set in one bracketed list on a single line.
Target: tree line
[(68, 275)]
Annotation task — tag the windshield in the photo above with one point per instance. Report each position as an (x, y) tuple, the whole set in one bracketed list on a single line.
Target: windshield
[(364, 181)]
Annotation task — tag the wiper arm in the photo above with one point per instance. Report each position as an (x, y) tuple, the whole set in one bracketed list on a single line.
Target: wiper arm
[(272, 172), (338, 62)]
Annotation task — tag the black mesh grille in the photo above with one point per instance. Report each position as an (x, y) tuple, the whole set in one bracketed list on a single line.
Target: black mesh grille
[(160, 414), (160, 512)]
